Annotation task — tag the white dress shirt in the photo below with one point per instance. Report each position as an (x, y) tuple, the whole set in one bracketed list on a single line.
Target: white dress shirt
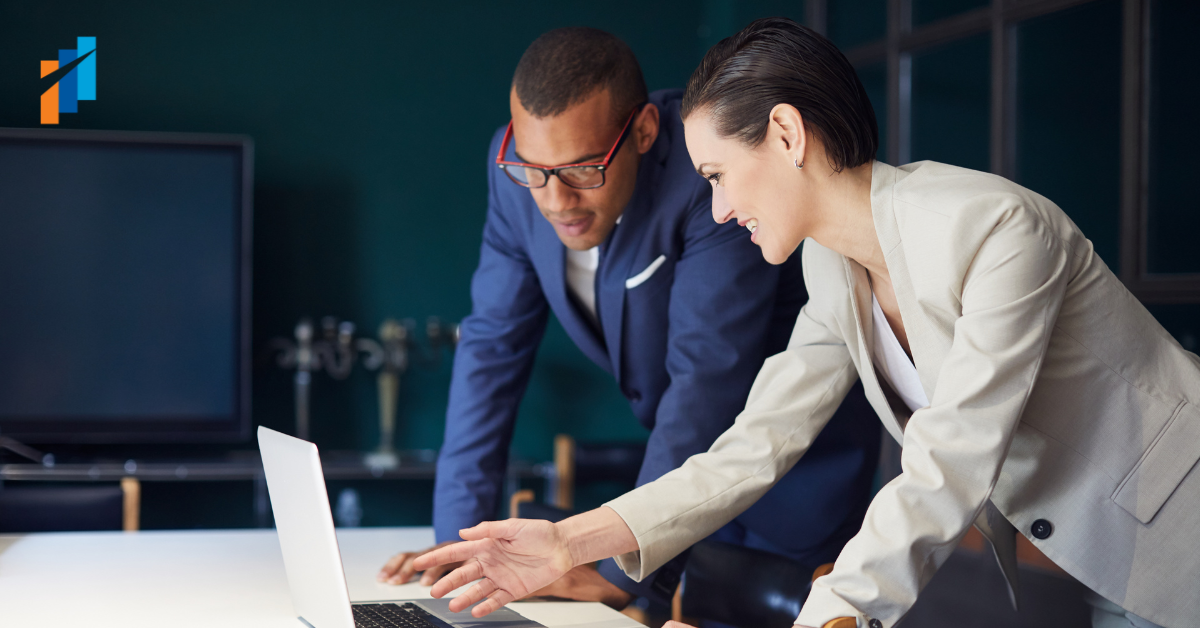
[(893, 363), (581, 279)]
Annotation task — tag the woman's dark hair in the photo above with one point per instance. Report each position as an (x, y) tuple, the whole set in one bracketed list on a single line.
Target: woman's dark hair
[(775, 60)]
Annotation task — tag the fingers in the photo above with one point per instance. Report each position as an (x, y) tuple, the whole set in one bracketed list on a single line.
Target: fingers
[(493, 603), (432, 574), (477, 592), (492, 530), (455, 553), (391, 566), (398, 569), (457, 578)]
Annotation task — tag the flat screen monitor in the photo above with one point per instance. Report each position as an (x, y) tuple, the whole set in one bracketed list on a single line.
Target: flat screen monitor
[(124, 286)]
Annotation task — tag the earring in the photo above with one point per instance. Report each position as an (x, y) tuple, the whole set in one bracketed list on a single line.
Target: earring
[(799, 164)]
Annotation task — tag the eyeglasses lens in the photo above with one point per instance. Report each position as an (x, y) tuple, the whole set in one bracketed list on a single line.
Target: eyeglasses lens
[(583, 177), (526, 176)]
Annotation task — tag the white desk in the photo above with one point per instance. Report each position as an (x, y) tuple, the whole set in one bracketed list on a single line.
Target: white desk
[(226, 579)]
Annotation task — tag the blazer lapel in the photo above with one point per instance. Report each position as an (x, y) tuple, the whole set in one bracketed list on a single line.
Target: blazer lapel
[(618, 254), (615, 267), (928, 351), (550, 260), (860, 304)]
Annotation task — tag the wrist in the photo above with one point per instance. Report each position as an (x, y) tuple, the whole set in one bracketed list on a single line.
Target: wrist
[(595, 535), (568, 535)]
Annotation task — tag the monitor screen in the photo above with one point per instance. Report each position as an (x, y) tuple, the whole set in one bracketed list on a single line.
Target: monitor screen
[(124, 265)]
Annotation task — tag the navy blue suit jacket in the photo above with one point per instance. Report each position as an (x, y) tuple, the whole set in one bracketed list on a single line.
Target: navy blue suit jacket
[(684, 346)]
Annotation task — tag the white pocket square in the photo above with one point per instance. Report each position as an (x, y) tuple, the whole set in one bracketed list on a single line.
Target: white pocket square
[(641, 277)]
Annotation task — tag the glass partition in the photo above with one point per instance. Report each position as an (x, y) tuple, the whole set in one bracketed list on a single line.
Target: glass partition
[(1068, 128), (950, 101), (1173, 218), (926, 11)]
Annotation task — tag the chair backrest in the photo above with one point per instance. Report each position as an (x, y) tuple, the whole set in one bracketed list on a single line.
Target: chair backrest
[(61, 509), (743, 587), (608, 462), (578, 463), (534, 510)]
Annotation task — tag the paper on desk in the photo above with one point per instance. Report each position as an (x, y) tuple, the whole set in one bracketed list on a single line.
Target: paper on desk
[(573, 614)]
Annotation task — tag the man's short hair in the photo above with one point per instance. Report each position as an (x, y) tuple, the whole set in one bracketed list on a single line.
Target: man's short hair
[(566, 66)]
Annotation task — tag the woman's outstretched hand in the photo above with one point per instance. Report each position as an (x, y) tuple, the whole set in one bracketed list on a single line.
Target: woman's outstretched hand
[(511, 559)]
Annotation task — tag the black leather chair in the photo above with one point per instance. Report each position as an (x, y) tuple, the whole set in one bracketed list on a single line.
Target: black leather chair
[(69, 509), (743, 587), (579, 463)]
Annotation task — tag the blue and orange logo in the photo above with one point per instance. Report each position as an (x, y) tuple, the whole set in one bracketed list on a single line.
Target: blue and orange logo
[(72, 78)]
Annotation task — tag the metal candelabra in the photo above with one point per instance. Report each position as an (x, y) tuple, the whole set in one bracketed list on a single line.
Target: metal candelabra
[(337, 350)]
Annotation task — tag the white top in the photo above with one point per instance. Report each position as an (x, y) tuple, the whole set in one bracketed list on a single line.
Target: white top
[(893, 363), (202, 579), (581, 279)]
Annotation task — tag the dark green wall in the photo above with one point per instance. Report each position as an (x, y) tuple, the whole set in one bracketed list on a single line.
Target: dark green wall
[(371, 121)]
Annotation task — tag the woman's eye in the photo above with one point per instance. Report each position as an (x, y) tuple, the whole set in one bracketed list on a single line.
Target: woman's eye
[(715, 178)]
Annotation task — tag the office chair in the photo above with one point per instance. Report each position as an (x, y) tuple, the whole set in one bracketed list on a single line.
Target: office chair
[(579, 463), (740, 586), (71, 509)]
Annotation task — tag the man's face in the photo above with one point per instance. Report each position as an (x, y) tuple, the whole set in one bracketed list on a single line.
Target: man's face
[(584, 133)]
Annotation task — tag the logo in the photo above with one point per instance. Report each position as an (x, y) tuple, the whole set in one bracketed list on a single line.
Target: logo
[(68, 80)]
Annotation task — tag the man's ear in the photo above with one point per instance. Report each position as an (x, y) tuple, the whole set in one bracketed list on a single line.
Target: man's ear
[(645, 128), (787, 130)]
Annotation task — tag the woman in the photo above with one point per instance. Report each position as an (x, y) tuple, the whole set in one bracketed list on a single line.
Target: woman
[(1028, 387)]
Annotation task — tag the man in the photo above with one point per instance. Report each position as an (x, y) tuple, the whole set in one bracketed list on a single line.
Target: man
[(619, 242)]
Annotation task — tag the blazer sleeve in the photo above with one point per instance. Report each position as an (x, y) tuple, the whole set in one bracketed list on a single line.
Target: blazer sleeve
[(492, 365), (721, 307), (792, 398), (955, 447)]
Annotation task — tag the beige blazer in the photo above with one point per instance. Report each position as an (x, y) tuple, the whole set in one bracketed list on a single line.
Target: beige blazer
[(1054, 396)]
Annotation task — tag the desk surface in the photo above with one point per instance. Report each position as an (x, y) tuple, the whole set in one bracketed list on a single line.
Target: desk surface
[(230, 579)]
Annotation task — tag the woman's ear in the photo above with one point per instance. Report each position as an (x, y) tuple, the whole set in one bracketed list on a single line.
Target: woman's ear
[(787, 131)]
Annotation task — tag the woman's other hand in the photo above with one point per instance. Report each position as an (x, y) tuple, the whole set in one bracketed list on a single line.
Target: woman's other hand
[(510, 559)]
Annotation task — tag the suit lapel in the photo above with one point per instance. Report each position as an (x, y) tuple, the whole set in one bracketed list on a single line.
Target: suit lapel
[(860, 304), (550, 260), (928, 352), (619, 253), (615, 267)]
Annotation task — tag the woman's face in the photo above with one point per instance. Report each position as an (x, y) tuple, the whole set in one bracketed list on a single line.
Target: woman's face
[(759, 187)]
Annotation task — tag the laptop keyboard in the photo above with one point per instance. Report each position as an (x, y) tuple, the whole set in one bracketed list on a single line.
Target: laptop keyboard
[(405, 615)]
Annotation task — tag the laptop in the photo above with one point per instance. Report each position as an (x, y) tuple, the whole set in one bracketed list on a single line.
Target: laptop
[(314, 563)]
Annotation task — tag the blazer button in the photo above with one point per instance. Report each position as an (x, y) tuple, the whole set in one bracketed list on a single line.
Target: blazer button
[(1042, 529), (635, 396), (875, 623)]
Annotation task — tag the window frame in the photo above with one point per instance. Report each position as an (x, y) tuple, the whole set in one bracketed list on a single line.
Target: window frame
[(1001, 19)]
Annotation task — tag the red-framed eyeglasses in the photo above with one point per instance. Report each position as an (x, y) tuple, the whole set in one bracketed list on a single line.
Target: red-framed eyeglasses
[(582, 176)]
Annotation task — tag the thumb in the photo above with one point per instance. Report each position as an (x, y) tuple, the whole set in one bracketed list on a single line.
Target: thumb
[(491, 530)]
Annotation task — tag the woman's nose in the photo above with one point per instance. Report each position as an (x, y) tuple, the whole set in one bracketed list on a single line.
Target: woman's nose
[(721, 210)]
